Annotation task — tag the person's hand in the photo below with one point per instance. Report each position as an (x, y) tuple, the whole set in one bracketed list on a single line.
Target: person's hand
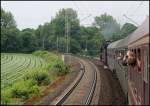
[(138, 64)]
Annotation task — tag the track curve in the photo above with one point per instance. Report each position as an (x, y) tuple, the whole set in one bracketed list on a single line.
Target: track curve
[(81, 93)]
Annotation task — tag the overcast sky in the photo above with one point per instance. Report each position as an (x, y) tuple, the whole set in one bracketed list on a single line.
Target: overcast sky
[(30, 14)]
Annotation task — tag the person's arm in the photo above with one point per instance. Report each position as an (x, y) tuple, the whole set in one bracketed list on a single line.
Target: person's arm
[(139, 63)]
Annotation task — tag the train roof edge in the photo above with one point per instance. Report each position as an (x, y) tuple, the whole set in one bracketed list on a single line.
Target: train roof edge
[(141, 31)]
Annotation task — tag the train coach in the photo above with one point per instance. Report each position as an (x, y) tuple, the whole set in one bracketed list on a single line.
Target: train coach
[(138, 79), (134, 79), (116, 51)]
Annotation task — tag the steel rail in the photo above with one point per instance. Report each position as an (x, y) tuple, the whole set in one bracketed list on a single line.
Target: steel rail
[(61, 101), (90, 96), (92, 89)]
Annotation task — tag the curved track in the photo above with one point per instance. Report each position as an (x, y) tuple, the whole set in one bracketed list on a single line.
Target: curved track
[(82, 90)]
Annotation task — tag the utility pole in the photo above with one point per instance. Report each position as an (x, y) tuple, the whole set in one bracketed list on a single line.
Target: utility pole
[(43, 43), (67, 32), (57, 42), (53, 32), (86, 46), (43, 39), (67, 39), (69, 26), (87, 38)]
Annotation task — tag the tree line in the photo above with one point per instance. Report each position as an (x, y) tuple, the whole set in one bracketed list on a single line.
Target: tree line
[(51, 35)]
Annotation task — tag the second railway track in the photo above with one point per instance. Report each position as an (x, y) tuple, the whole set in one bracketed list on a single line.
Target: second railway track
[(82, 90)]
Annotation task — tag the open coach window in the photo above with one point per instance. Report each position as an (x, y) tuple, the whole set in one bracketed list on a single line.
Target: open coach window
[(139, 59), (146, 65)]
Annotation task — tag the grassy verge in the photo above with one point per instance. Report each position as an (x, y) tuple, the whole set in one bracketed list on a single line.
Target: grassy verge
[(35, 80)]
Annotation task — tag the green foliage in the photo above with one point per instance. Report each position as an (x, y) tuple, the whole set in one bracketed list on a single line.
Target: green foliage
[(107, 25), (47, 56), (40, 76), (60, 69), (34, 90), (22, 89), (55, 64), (5, 96), (126, 29), (14, 40), (74, 46), (91, 40), (28, 40), (51, 35), (7, 20), (9, 32)]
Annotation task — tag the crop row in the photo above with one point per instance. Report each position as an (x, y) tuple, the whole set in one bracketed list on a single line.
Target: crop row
[(14, 66)]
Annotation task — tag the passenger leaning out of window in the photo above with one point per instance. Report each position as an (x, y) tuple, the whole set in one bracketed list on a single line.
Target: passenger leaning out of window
[(131, 59)]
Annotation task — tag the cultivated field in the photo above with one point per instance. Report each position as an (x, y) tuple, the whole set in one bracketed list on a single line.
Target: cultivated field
[(15, 65)]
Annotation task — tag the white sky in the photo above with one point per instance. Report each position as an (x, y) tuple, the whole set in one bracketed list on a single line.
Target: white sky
[(30, 14)]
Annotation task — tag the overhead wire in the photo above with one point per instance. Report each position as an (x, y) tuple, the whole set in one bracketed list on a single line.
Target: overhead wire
[(135, 11), (82, 12), (137, 7)]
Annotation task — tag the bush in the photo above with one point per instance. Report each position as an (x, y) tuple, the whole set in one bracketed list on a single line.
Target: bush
[(21, 89), (41, 77), (47, 56), (40, 53), (5, 96), (60, 68), (34, 90), (55, 64), (37, 53)]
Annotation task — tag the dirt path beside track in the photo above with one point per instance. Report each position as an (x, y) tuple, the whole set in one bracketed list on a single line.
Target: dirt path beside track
[(111, 92)]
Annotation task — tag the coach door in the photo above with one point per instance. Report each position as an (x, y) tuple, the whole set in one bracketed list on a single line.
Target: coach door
[(146, 76)]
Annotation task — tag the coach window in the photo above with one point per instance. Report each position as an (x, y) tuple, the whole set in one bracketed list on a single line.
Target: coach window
[(139, 59), (123, 51), (135, 52), (122, 54), (119, 55), (115, 55)]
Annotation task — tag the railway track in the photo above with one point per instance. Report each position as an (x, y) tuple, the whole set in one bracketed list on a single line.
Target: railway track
[(81, 91)]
